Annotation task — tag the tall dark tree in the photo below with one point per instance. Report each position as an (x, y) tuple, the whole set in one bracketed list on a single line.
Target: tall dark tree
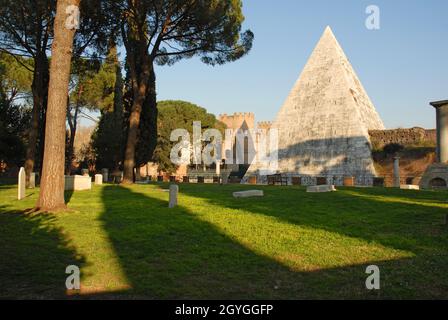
[(108, 137), (164, 32)]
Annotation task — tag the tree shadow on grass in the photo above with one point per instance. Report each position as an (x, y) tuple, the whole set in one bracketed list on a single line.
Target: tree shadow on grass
[(171, 254), (410, 222), (68, 194), (34, 256), (399, 219)]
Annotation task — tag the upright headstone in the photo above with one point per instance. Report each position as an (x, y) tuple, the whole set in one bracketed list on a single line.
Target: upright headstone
[(105, 173), (22, 184), (174, 191), (397, 172), (32, 183), (218, 168), (85, 172), (98, 179), (218, 171)]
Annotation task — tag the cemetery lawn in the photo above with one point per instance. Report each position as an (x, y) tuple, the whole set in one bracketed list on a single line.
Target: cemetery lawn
[(287, 245)]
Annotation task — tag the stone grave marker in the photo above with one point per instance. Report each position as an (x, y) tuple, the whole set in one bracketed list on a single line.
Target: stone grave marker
[(32, 183), (78, 183), (98, 179), (22, 184), (248, 194), (321, 189), (105, 173), (174, 191)]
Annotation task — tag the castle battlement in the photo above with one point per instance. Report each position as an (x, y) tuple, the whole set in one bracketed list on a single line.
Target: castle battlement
[(264, 125), (238, 120)]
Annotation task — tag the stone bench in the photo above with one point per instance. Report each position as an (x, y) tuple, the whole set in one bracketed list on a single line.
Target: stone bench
[(321, 188)]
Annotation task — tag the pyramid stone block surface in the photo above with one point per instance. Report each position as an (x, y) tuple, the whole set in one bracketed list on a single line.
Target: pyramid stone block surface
[(323, 125)]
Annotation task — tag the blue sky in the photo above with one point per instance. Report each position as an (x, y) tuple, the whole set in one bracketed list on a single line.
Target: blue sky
[(403, 66)]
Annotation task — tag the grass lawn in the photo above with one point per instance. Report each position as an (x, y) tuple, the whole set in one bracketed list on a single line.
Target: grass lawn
[(289, 244)]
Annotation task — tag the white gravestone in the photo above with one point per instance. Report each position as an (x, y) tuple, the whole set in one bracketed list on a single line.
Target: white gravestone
[(78, 183), (22, 184), (98, 179), (32, 183), (174, 191), (105, 173)]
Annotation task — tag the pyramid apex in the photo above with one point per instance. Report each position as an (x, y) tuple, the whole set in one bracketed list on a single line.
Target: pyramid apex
[(329, 32)]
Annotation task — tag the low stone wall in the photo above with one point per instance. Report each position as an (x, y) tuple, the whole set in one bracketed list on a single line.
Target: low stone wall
[(306, 180), (406, 137)]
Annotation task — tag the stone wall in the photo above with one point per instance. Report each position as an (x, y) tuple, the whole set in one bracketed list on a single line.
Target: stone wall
[(413, 164), (406, 137)]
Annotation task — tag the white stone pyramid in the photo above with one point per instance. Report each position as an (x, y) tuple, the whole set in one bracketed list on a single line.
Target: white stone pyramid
[(324, 123)]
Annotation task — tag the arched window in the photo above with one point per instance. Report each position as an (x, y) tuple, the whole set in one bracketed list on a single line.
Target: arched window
[(437, 183)]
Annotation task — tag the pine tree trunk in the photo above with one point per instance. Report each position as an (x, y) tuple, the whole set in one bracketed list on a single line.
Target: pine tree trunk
[(70, 152), (140, 90), (73, 126), (39, 90), (51, 197), (129, 154)]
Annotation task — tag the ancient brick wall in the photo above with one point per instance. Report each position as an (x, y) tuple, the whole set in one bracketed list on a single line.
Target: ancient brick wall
[(406, 137)]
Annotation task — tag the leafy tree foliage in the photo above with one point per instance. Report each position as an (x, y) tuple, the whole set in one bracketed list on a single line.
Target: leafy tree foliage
[(178, 115), (15, 83), (164, 32), (14, 122), (393, 148), (16, 79)]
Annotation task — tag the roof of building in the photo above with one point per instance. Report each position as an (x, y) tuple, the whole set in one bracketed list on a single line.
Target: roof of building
[(437, 104)]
